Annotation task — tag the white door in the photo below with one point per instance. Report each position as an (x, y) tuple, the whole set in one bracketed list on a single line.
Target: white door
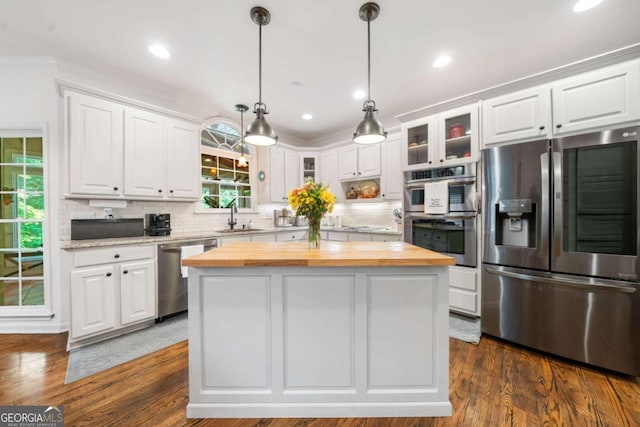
[(329, 172), (516, 117), (276, 172), (348, 162), (599, 98), (369, 160), (95, 146), (92, 301), (391, 177), (145, 158), (183, 159), (291, 172), (137, 291)]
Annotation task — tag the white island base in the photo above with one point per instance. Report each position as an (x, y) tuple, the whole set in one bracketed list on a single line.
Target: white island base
[(287, 341)]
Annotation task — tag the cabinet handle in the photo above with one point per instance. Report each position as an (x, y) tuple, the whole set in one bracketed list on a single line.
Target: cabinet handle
[(541, 127), (115, 188), (108, 274), (116, 256), (559, 125), (125, 272)]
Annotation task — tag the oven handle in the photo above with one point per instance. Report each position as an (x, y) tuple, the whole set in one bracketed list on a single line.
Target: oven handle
[(585, 285), (445, 216), (419, 183)]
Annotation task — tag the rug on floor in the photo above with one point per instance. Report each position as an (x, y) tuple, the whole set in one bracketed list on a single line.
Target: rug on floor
[(88, 360), (464, 328)]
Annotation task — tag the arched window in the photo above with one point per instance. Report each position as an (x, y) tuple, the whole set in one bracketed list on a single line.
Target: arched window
[(224, 180)]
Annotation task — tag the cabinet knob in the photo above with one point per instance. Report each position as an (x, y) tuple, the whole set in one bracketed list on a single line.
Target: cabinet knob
[(108, 274), (116, 256), (354, 173), (541, 127), (429, 161), (382, 194), (559, 125), (125, 272), (441, 160), (159, 190), (115, 188), (171, 191), (359, 173)]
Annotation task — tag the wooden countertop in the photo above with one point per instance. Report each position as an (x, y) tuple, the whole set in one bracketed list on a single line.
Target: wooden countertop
[(330, 254)]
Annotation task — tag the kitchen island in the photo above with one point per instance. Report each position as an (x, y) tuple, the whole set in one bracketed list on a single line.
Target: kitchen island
[(353, 329)]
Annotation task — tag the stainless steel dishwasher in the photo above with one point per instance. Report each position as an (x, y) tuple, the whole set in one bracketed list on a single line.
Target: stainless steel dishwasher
[(172, 287)]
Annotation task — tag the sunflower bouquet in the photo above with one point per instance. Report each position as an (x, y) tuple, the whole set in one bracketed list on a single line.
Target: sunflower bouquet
[(312, 201)]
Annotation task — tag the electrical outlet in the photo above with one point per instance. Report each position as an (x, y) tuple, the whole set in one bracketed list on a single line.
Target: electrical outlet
[(108, 213)]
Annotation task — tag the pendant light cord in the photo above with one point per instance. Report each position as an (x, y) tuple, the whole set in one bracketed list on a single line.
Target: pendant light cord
[(260, 64), (368, 58)]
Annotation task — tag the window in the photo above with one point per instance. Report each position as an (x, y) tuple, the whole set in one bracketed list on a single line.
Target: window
[(223, 180), (22, 215)]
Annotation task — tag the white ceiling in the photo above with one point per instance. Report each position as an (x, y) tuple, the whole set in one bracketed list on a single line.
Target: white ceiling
[(314, 51)]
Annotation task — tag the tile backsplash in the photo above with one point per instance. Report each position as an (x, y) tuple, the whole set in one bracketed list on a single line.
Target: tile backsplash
[(186, 220)]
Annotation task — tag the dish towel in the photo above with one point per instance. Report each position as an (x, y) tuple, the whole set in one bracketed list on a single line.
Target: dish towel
[(436, 197), (186, 252)]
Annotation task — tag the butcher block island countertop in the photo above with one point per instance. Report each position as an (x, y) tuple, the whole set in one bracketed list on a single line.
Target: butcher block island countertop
[(352, 329), (330, 254)]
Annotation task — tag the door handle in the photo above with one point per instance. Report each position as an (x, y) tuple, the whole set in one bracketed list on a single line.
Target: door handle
[(585, 285)]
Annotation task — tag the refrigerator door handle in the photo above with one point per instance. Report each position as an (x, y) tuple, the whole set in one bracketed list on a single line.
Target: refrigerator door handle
[(545, 213), (585, 285), (557, 203)]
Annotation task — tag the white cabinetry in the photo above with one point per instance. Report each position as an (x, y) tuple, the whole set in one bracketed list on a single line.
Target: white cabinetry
[(329, 172), (391, 181), (464, 292), (94, 132), (160, 157), (283, 168), (598, 98), (444, 139), (358, 161), (341, 236), (518, 116), (110, 289), (126, 152), (309, 167), (291, 236)]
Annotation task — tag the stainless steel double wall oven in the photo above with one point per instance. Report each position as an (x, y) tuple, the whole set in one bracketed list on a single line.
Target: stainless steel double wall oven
[(452, 233), (560, 266)]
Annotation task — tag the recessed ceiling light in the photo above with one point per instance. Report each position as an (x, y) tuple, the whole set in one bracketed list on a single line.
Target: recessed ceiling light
[(442, 61), (307, 116), (583, 5), (159, 51), (359, 94)]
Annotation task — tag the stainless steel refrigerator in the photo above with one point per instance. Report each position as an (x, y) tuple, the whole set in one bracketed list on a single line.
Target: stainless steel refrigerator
[(560, 262)]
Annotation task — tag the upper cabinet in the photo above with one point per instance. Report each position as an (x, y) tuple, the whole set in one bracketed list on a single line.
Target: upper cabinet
[(309, 166), (392, 183), (126, 152), (284, 172), (598, 98), (523, 115), (329, 172), (447, 138), (94, 129), (358, 161)]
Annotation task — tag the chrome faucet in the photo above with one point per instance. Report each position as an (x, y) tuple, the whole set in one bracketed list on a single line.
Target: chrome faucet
[(232, 221)]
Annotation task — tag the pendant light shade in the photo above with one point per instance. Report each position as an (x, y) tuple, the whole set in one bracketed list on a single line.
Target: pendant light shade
[(260, 132), (370, 130), (242, 161)]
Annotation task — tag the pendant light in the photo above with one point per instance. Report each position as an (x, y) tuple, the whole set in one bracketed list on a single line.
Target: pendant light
[(260, 132), (242, 161), (370, 130)]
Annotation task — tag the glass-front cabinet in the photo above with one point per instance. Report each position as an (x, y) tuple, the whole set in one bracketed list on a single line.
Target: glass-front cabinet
[(448, 138), (309, 167)]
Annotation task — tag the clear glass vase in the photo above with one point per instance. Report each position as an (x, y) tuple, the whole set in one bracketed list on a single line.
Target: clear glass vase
[(314, 233)]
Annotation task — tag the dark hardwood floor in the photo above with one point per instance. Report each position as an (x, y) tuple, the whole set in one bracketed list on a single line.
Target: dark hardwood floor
[(492, 384)]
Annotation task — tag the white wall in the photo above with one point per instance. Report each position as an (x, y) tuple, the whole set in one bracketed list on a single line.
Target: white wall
[(29, 101)]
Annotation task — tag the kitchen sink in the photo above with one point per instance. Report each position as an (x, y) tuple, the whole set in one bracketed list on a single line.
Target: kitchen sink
[(239, 230)]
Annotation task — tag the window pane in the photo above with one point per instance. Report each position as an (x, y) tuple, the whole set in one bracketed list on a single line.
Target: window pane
[(226, 175), (7, 239), (31, 206), (242, 177), (31, 235), (11, 148), (34, 151), (33, 292), (33, 181), (209, 173), (9, 292), (226, 163), (244, 202)]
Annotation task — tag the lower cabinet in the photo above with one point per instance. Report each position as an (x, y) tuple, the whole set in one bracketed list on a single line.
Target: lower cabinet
[(110, 289), (341, 236), (291, 236), (464, 290)]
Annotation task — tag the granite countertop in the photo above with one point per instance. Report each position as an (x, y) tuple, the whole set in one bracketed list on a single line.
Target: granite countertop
[(94, 243), (330, 254)]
